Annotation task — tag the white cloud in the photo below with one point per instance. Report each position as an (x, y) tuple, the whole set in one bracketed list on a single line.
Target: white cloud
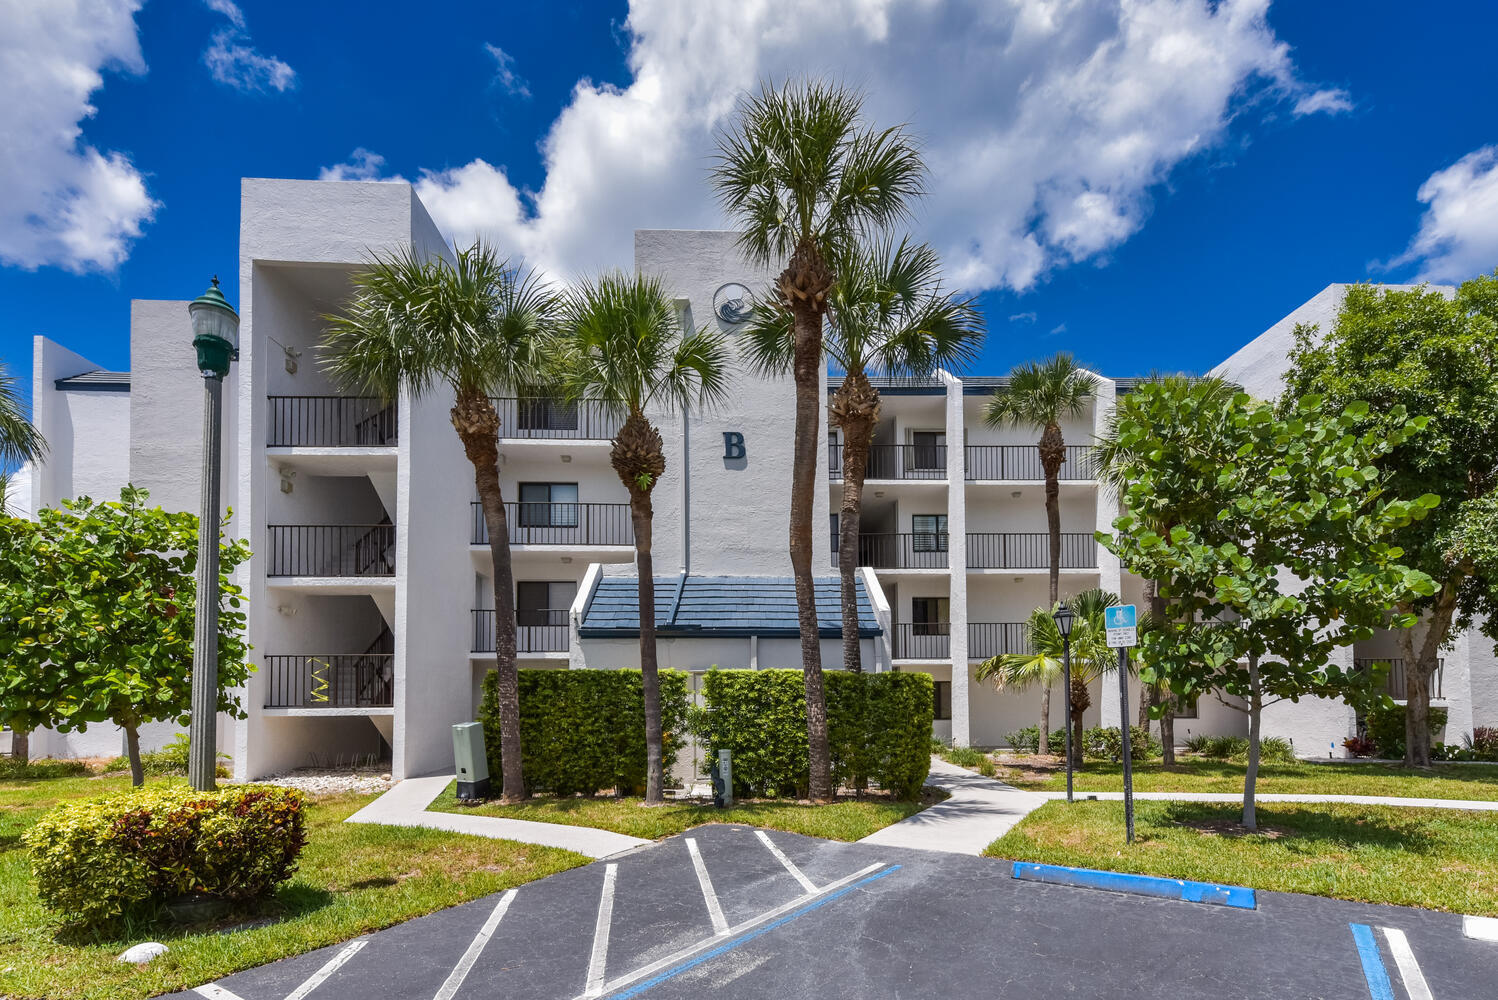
[(1024, 317), (1331, 101), (504, 73), (1047, 124), (65, 202), (1458, 235), (362, 165), (233, 61), (1058, 328)]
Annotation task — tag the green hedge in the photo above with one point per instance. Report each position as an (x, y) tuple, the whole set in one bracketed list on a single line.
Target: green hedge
[(879, 728), (98, 859), (584, 730), (1386, 728)]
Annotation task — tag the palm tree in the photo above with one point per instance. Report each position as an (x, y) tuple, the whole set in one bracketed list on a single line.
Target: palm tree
[(805, 179), (20, 442), (1042, 394), (1112, 456), (624, 345), (474, 325), (889, 316)]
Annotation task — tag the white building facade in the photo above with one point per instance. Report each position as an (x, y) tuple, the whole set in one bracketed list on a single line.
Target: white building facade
[(370, 602)]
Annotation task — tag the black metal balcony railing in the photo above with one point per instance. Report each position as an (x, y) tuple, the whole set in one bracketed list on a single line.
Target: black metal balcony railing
[(1029, 550), (921, 640), (908, 550), (330, 550), (560, 524), (543, 631), (895, 461), (334, 680), (330, 422), (539, 417), (1021, 462), (1395, 685), (985, 639)]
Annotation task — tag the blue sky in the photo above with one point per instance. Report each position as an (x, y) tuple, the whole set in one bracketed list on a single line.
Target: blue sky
[(1148, 191)]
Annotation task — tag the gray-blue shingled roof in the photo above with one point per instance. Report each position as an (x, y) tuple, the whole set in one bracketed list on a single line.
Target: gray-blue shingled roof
[(719, 606)]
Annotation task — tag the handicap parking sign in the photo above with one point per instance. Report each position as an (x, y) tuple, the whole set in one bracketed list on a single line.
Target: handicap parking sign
[(1121, 621)]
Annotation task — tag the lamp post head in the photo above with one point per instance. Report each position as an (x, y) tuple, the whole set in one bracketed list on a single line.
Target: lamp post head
[(1064, 618), (215, 331)]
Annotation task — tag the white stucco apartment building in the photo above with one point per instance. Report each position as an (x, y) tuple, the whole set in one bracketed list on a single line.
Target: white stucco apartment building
[(370, 608)]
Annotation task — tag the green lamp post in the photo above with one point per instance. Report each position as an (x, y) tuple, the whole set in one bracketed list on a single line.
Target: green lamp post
[(215, 336)]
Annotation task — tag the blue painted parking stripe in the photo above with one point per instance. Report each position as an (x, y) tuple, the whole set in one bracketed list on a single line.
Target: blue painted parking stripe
[(1143, 885), (1379, 987), (641, 987)]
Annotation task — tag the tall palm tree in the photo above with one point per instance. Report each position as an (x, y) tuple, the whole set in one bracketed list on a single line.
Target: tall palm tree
[(805, 178), (20, 442), (1041, 395), (888, 316), (475, 325), (1112, 456), (624, 345)]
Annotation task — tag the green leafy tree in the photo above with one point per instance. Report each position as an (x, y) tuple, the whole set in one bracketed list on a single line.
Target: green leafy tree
[(473, 327), (624, 346), (889, 317), (805, 179), (1425, 353), (20, 442), (1041, 395), (1283, 557), (96, 618), (1111, 459)]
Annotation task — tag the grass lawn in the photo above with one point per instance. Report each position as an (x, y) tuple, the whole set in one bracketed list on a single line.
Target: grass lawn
[(845, 819), (1434, 858), (1199, 774), (352, 879)]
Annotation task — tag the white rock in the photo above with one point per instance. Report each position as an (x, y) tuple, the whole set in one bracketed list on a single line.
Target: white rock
[(142, 953)]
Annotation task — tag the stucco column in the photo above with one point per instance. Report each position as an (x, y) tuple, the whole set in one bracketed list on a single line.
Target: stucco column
[(957, 561)]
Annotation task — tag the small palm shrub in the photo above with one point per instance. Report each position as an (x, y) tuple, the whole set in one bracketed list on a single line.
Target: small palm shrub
[(986, 767), (965, 757), (1197, 743), (169, 760), (99, 859)]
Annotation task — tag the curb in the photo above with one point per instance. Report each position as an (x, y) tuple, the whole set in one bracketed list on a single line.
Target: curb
[(1187, 891)]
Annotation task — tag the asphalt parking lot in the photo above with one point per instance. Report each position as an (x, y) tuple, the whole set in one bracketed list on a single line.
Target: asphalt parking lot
[(743, 913)]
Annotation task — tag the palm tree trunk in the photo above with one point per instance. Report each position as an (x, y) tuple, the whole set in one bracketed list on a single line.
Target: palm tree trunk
[(642, 513), (855, 410), (1081, 700), (803, 285), (477, 424), (1052, 454)]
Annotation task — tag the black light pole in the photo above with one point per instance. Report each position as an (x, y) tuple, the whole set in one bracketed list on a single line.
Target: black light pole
[(1064, 618), (215, 329)]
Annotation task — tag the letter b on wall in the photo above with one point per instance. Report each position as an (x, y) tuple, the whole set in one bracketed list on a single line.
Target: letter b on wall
[(733, 445)]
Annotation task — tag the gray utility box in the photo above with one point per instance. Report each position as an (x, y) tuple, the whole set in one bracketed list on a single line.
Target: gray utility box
[(471, 761)]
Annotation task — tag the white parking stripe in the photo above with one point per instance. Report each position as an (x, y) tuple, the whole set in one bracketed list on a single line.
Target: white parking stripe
[(601, 934), (213, 991), (714, 911), (1481, 928), (327, 970), (1409, 969), (460, 971), (790, 866)]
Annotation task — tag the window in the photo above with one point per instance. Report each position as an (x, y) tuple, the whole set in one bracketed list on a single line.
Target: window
[(943, 705), (1183, 708), (543, 602), (834, 533), (930, 615), (548, 505), (929, 533), (928, 450), (539, 413)]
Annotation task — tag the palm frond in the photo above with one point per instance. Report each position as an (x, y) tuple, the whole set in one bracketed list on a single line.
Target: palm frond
[(1042, 393), (20, 441)]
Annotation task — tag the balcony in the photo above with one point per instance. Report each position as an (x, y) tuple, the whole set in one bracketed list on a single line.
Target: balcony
[(895, 461), (921, 640), (330, 550), (330, 422), (331, 681), (539, 418), (569, 524), (1395, 686), (1021, 463), (1029, 550), (536, 631), (907, 550), (985, 639)]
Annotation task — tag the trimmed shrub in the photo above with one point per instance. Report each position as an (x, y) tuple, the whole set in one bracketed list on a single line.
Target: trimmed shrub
[(12, 769), (96, 860), (1106, 742), (879, 729), (1026, 740), (1386, 728), (584, 730)]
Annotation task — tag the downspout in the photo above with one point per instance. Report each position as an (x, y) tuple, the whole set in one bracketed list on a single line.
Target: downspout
[(684, 318)]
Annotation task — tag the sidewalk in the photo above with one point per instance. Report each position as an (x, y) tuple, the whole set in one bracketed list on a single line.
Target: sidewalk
[(406, 805), (1475, 805), (979, 812)]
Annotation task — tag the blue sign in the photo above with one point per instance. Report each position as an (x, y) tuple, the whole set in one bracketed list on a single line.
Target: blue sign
[(1120, 616)]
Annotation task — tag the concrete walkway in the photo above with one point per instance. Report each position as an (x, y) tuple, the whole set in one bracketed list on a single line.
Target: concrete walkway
[(1476, 805), (979, 812), (406, 805)]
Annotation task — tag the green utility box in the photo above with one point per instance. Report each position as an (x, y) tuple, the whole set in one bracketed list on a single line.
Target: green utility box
[(470, 760)]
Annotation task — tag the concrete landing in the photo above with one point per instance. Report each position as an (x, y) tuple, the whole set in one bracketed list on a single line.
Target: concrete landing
[(406, 805), (979, 812)]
